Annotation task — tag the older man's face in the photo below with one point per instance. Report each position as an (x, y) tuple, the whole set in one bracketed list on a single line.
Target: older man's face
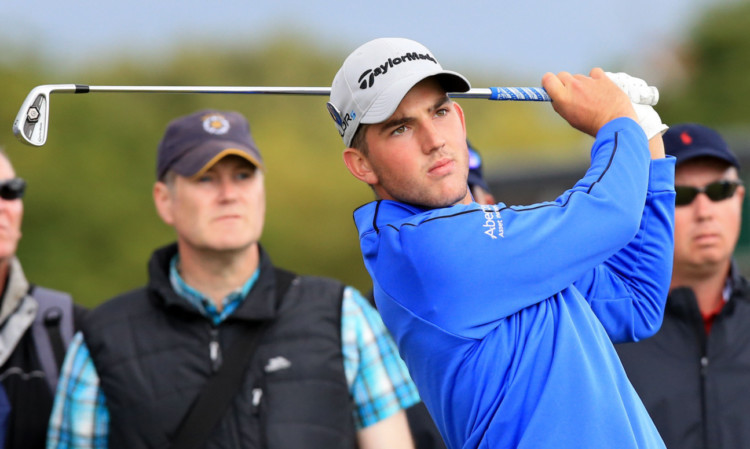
[(222, 210), (706, 231)]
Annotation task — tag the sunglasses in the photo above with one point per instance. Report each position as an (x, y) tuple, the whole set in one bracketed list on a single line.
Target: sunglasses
[(12, 189), (716, 191)]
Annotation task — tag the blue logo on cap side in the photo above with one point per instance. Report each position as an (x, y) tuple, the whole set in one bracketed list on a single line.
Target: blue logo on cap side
[(335, 115), (474, 160)]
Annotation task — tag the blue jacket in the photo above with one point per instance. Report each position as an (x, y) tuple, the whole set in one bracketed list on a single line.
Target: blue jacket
[(506, 316)]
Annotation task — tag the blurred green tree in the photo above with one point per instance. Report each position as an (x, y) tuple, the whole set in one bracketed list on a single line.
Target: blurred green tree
[(711, 85)]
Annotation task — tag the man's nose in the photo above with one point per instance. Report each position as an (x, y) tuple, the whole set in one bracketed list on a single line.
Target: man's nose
[(703, 206), (227, 187), (431, 137)]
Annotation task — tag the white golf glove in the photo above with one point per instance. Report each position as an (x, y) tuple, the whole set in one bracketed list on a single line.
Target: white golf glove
[(643, 97)]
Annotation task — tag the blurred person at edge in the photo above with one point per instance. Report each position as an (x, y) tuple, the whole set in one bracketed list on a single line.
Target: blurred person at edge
[(36, 324), (694, 374), (478, 186)]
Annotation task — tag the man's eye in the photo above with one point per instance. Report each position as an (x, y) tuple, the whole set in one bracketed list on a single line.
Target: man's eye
[(441, 112), (398, 131), (244, 175), (204, 178)]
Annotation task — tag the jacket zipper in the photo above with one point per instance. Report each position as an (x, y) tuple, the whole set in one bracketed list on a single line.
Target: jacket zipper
[(704, 363), (258, 410), (214, 350)]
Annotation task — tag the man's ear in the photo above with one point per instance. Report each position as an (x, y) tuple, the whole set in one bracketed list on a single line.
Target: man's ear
[(163, 202), (359, 166)]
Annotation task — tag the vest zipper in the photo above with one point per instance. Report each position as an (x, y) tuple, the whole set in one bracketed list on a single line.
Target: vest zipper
[(704, 366), (214, 350), (259, 411), (257, 396)]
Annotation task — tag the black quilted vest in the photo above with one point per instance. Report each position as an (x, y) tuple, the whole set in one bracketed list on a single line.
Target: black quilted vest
[(152, 351)]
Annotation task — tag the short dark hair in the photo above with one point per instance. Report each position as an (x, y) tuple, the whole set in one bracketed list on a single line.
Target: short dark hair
[(358, 140), (168, 178)]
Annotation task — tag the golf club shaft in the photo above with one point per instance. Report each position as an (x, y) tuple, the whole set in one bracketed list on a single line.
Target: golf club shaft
[(490, 93)]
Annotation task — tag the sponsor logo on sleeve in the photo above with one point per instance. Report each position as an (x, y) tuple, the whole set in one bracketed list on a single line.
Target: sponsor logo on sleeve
[(493, 222)]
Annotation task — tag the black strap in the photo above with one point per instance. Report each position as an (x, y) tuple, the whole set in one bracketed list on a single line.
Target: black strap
[(52, 319), (213, 401), (52, 330)]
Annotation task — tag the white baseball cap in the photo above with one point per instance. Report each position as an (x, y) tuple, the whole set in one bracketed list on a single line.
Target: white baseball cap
[(375, 78)]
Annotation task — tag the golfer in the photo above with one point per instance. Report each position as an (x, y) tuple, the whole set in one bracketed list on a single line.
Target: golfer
[(506, 315)]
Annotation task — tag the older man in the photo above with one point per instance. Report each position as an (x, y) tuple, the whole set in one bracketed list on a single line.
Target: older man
[(325, 373), (694, 374)]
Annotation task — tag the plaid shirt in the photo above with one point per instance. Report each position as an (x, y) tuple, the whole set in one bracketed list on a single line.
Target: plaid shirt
[(377, 377)]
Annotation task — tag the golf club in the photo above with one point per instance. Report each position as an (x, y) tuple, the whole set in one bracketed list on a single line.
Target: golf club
[(32, 120)]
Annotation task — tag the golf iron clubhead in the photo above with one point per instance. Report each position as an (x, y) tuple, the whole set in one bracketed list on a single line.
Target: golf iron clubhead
[(30, 125)]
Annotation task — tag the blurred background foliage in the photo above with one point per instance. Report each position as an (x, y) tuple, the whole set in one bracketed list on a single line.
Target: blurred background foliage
[(710, 84), (90, 224)]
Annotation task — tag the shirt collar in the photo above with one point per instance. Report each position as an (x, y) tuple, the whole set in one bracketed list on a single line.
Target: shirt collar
[(728, 288), (204, 304)]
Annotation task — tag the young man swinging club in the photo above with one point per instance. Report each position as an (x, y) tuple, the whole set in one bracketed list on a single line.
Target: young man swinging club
[(505, 315)]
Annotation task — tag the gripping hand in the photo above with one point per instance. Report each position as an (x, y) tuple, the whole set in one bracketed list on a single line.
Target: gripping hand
[(643, 97)]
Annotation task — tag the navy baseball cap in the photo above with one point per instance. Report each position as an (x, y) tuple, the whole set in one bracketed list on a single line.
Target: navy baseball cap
[(475, 169), (688, 141), (192, 144)]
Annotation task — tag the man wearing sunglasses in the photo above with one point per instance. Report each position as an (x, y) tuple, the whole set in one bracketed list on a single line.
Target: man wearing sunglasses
[(35, 326), (694, 374)]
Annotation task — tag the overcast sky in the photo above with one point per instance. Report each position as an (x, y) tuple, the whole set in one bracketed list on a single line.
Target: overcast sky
[(523, 39)]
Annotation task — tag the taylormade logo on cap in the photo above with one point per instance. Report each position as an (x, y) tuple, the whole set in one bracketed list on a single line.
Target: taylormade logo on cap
[(367, 79), (375, 78)]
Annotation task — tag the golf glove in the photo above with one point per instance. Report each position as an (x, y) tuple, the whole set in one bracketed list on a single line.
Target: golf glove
[(642, 96)]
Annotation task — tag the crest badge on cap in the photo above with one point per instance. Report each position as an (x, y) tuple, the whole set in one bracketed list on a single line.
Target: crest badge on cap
[(216, 124)]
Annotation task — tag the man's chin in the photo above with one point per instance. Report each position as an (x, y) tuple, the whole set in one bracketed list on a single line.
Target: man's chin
[(439, 203), (227, 247), (7, 250), (460, 197)]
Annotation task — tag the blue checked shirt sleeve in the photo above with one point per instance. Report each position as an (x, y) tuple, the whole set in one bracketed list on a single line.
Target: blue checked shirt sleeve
[(377, 377), (80, 419)]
